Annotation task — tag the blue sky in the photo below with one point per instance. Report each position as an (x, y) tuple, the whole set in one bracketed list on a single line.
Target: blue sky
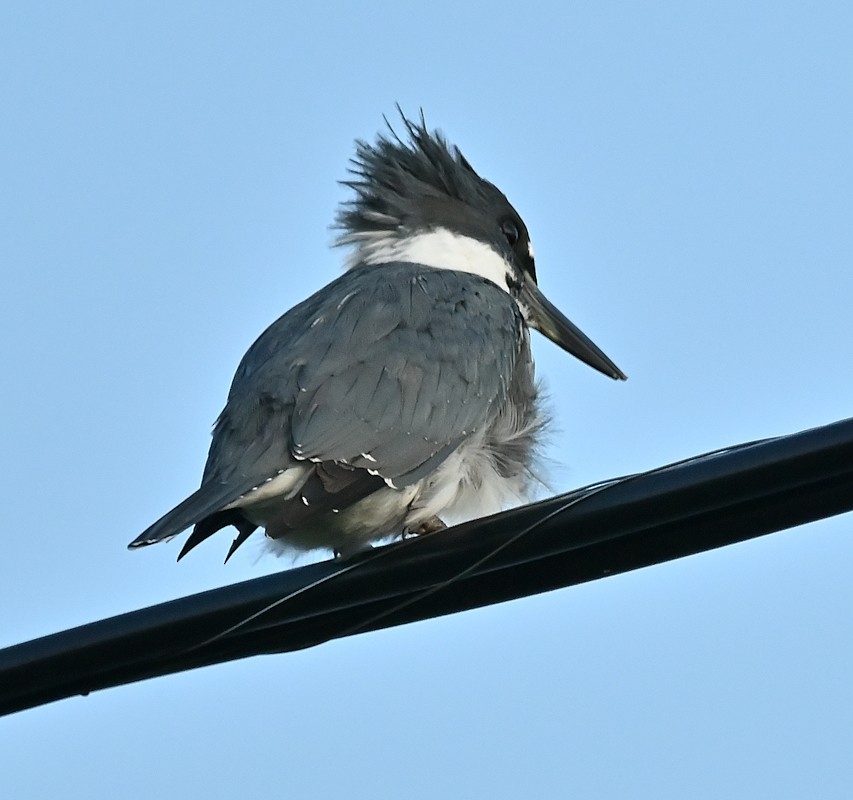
[(167, 177)]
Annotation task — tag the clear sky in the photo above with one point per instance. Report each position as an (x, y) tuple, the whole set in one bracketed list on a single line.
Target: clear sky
[(167, 175)]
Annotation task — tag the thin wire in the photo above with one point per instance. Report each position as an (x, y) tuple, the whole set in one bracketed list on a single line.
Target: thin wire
[(584, 494), (579, 496), (379, 553)]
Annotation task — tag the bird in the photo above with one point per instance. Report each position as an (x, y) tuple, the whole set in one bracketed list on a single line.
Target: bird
[(403, 392)]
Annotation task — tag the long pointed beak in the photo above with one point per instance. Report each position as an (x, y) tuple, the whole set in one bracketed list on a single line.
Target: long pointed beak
[(549, 320)]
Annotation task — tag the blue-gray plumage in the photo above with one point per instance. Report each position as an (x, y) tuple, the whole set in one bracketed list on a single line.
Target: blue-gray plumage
[(402, 390)]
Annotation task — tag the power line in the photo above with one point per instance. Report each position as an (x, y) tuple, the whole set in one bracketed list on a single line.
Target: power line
[(631, 522)]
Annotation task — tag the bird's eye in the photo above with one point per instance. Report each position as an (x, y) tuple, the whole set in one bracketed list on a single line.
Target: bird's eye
[(510, 230)]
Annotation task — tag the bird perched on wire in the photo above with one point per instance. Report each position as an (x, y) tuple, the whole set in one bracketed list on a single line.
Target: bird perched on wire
[(404, 390)]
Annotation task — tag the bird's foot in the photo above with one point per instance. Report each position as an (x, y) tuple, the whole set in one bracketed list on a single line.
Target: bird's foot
[(430, 525)]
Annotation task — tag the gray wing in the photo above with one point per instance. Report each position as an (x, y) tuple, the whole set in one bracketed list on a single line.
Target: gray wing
[(400, 370), (374, 380)]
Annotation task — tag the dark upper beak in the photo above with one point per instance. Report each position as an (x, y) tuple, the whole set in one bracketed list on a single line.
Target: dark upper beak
[(549, 320)]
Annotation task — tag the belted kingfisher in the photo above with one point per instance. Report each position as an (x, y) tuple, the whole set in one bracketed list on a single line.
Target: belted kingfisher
[(402, 391)]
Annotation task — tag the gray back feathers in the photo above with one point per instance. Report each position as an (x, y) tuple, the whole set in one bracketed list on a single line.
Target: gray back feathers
[(382, 370)]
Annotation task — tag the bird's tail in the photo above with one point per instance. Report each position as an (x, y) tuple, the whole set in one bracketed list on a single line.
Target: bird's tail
[(208, 499)]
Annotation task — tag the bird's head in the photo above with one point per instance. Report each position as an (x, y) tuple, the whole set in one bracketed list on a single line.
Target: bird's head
[(421, 201)]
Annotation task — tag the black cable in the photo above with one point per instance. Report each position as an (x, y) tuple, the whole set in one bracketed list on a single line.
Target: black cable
[(681, 509)]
